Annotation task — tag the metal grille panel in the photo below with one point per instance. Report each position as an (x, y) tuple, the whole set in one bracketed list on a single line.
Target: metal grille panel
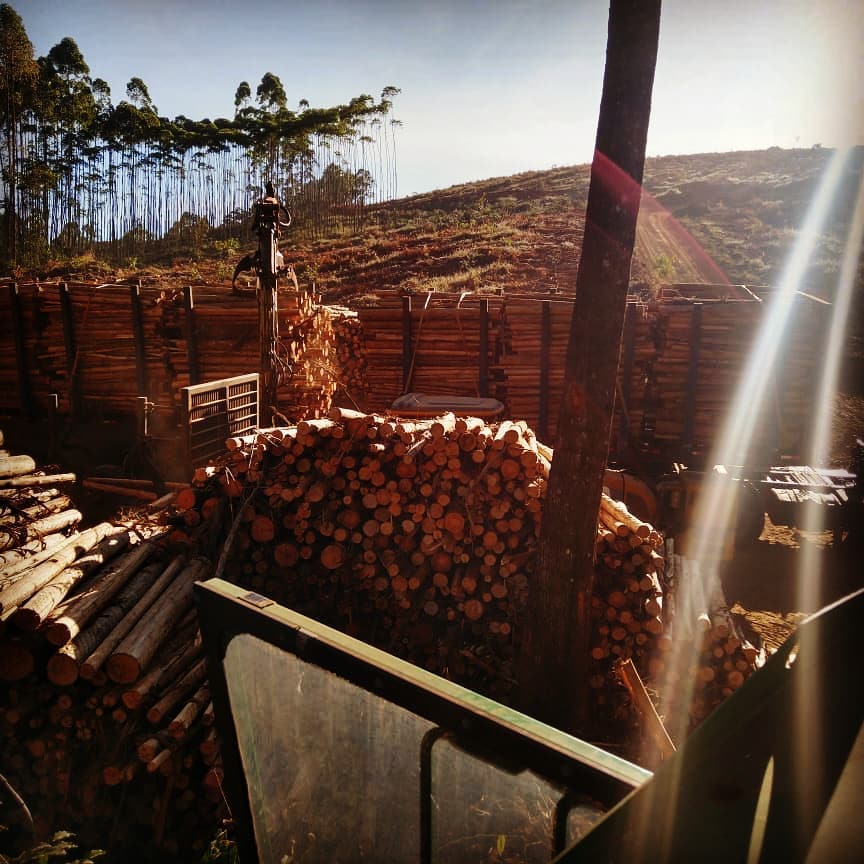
[(217, 410)]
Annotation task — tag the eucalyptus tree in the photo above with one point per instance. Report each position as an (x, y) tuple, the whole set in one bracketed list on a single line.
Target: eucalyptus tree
[(242, 97), (126, 128), (19, 74), (67, 109), (78, 169)]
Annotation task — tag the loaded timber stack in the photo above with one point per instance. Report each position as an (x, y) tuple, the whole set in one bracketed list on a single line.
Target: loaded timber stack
[(350, 352), (416, 342), (98, 347), (714, 654), (416, 536), (627, 603), (535, 337), (105, 715), (683, 354)]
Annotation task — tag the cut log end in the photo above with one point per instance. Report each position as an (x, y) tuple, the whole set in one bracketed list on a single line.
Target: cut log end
[(123, 668), (62, 670)]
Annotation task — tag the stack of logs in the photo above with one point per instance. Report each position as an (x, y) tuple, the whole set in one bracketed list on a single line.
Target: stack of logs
[(105, 713), (682, 359), (443, 341), (419, 537), (79, 340), (535, 337), (714, 656), (350, 352), (627, 603)]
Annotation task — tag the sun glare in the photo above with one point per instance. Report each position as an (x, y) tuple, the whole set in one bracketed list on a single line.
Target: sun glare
[(715, 509)]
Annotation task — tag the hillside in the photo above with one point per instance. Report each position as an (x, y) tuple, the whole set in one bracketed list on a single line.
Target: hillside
[(708, 217), (704, 218)]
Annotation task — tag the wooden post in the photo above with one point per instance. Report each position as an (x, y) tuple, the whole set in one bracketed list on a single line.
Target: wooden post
[(484, 348), (53, 423), (545, 342), (25, 394), (406, 340), (71, 350), (138, 333), (627, 379), (692, 374), (191, 336)]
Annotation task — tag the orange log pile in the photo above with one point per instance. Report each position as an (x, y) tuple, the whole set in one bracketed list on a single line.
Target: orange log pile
[(99, 366), (418, 536), (714, 655), (97, 640)]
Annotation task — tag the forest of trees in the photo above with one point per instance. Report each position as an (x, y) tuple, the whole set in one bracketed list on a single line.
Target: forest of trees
[(82, 174)]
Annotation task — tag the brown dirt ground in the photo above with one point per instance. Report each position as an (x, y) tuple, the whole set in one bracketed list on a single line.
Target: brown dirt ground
[(659, 234)]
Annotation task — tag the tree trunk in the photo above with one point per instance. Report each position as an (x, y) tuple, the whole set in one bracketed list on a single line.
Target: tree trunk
[(556, 641)]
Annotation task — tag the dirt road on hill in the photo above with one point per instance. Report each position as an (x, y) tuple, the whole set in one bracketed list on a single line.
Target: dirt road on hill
[(669, 251)]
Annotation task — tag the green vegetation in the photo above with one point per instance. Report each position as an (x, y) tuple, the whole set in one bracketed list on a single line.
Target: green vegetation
[(60, 848), (80, 173)]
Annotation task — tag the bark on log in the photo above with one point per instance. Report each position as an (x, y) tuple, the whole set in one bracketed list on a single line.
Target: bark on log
[(67, 621), (93, 663), (137, 649), (178, 690), (64, 667), (34, 612), (15, 466), (36, 480), (10, 536), (31, 581), (176, 661), (24, 557), (186, 716)]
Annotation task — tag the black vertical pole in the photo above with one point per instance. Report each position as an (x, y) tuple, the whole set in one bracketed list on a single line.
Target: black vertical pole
[(545, 340), (191, 336), (406, 340), (484, 347), (53, 424), (71, 351), (138, 334), (25, 394)]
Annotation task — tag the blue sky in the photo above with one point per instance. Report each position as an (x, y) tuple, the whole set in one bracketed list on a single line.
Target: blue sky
[(489, 87)]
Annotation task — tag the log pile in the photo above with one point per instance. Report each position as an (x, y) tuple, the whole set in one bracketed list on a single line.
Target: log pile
[(418, 537), (526, 352), (105, 714), (350, 352), (715, 656), (682, 356), (443, 345), (715, 357), (90, 354), (627, 604), (683, 359)]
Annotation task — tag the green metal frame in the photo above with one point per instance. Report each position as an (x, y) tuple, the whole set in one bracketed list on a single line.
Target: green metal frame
[(802, 713), (797, 719), (469, 721)]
